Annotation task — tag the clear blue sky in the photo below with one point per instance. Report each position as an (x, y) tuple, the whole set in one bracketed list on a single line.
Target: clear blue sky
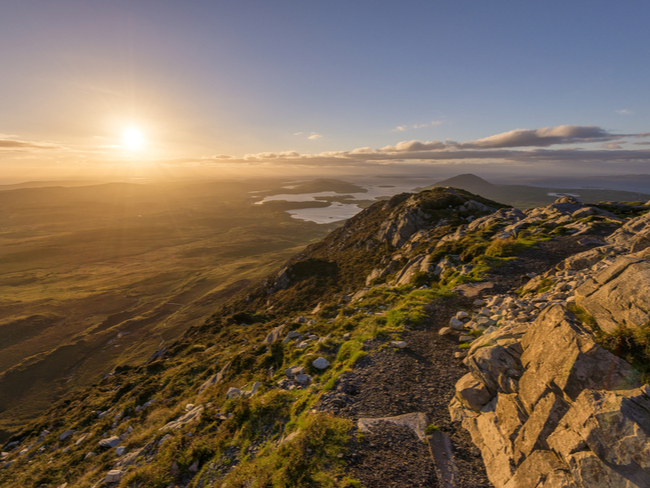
[(205, 78)]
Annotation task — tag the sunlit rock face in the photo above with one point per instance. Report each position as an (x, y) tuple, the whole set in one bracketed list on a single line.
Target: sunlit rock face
[(543, 401)]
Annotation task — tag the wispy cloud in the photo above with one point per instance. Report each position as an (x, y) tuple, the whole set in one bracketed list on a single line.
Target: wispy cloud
[(12, 144), (624, 112), (312, 135), (613, 145), (403, 128)]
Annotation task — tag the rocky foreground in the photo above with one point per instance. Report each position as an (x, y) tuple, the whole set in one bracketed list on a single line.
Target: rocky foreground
[(543, 401), (437, 339)]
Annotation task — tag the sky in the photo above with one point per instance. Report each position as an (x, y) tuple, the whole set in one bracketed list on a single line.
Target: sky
[(120, 89)]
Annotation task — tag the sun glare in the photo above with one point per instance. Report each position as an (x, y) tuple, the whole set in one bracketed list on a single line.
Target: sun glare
[(132, 139)]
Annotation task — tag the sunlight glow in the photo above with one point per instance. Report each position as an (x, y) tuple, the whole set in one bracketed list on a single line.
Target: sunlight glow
[(132, 139)]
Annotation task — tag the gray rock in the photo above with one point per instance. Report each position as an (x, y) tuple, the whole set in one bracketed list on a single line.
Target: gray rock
[(274, 335), (234, 393), (398, 228), (472, 393), (291, 335), (566, 419), (192, 415), (542, 468), (66, 434), (212, 381), (253, 390), (399, 344), (405, 276), (294, 370), (577, 362), (113, 476), (456, 324), (441, 451), (415, 421), (633, 235), (488, 363), (81, 438), (110, 442), (321, 363), (616, 427), (303, 379), (446, 331)]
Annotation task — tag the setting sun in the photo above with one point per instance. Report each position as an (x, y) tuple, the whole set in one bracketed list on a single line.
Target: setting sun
[(132, 139)]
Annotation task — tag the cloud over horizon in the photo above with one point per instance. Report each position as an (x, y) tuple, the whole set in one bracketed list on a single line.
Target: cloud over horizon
[(13, 144), (520, 146)]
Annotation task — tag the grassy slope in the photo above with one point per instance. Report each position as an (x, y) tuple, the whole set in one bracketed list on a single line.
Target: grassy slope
[(93, 277)]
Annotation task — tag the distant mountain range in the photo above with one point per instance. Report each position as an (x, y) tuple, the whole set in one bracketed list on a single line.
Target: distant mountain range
[(635, 183), (524, 196)]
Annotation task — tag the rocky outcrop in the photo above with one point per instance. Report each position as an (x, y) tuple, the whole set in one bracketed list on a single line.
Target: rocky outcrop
[(545, 404), (523, 406), (399, 227)]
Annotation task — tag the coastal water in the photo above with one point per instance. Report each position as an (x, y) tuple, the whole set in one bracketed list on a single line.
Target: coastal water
[(376, 189)]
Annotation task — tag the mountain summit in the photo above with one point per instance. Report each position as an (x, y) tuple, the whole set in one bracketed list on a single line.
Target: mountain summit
[(469, 182)]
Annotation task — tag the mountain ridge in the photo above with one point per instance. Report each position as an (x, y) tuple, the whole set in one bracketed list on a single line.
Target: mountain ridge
[(525, 196), (290, 365)]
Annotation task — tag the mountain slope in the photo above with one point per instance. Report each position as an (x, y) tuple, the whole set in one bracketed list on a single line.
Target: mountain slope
[(272, 389)]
